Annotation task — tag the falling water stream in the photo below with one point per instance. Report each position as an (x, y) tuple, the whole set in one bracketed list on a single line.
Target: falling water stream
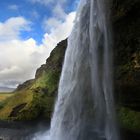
[(84, 108)]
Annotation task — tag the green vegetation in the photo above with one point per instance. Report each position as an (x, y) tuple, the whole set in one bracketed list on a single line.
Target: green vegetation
[(26, 105), (40, 105), (5, 95), (47, 82), (10, 103), (130, 119), (37, 100)]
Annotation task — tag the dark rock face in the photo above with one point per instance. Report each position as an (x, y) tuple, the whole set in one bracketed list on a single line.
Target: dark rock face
[(50, 72), (127, 51), (55, 60), (126, 29), (127, 47), (16, 110), (127, 39)]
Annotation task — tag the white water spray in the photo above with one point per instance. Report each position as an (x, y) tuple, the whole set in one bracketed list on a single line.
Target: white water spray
[(85, 108)]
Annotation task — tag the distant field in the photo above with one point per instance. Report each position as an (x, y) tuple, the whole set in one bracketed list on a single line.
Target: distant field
[(4, 96)]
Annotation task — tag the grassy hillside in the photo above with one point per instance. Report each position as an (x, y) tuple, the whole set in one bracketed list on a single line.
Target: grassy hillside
[(4, 95), (35, 98)]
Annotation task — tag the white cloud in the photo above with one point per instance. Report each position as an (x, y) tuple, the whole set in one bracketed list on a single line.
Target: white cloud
[(13, 7), (59, 32), (51, 23), (12, 28), (20, 58), (59, 12), (59, 16)]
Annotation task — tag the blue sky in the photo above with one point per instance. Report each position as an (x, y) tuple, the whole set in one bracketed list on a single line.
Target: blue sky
[(35, 11), (29, 30)]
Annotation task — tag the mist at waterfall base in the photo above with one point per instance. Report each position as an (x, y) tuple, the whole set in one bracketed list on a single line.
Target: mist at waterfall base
[(84, 108)]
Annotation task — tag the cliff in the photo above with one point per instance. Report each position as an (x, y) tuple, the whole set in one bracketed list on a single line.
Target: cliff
[(35, 98), (126, 30)]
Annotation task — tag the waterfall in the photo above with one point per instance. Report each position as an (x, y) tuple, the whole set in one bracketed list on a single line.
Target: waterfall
[(84, 108)]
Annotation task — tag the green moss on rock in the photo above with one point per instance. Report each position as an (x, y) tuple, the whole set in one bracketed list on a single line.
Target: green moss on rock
[(48, 82), (129, 119)]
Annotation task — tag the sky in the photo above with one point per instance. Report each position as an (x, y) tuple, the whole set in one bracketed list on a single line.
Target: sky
[(29, 30)]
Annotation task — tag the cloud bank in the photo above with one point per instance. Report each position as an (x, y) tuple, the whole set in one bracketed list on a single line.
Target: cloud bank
[(11, 28), (20, 58)]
